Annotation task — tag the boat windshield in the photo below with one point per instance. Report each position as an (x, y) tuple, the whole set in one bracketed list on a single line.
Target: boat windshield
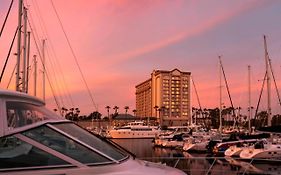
[(76, 143), (56, 145), (20, 114), (91, 140)]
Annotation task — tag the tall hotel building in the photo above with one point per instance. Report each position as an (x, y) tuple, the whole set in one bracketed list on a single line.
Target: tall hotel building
[(166, 96)]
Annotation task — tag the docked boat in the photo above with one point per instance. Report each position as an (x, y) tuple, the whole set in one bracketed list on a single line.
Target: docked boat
[(236, 149), (196, 144), (263, 149), (134, 130), (176, 142), (34, 140)]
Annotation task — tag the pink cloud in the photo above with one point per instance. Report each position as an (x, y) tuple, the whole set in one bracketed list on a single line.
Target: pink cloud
[(206, 25)]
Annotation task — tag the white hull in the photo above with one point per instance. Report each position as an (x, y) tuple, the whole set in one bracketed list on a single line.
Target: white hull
[(173, 144), (200, 146), (233, 151), (269, 152), (129, 167)]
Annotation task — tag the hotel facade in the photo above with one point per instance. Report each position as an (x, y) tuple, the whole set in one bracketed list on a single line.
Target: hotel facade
[(165, 96)]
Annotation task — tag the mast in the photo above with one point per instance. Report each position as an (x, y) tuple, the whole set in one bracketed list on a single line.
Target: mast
[(35, 73), (24, 50), (220, 105), (268, 83), (27, 61), (43, 55), (197, 97), (18, 47), (249, 101)]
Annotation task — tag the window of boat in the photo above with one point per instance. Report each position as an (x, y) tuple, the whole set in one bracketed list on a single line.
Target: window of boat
[(15, 153), (91, 140), (20, 114), (65, 145)]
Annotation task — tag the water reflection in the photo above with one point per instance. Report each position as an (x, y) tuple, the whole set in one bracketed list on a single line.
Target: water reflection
[(196, 163)]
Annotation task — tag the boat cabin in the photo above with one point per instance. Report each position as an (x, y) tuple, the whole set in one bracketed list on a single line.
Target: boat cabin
[(35, 140)]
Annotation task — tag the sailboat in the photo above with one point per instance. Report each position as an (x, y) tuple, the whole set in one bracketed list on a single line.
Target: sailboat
[(269, 148)]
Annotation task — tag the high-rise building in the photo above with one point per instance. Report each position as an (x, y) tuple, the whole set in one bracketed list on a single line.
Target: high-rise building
[(166, 96)]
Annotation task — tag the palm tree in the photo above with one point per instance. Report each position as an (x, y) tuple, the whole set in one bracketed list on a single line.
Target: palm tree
[(107, 108), (126, 109), (134, 111), (63, 111), (116, 109)]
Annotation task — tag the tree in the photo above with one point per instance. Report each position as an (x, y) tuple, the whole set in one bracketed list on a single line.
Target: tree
[(107, 108), (63, 111), (262, 118), (135, 111), (116, 109), (94, 115), (214, 114), (126, 109)]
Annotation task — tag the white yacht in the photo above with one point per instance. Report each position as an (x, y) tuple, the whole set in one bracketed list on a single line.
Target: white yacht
[(263, 149), (136, 129), (196, 144), (236, 149), (34, 140)]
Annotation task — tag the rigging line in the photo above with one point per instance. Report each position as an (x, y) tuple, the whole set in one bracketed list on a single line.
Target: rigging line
[(9, 53), (35, 35), (29, 73), (226, 84), (75, 58), (45, 31), (197, 96), (4, 24), (276, 88), (40, 19), (11, 76), (258, 104), (55, 77), (47, 75)]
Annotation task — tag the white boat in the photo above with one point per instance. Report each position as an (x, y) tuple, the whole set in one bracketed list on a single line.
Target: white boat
[(262, 150), (236, 149), (134, 130), (176, 142), (196, 144), (34, 140), (165, 136)]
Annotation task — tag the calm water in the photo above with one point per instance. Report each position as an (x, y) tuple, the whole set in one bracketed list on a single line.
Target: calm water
[(196, 163)]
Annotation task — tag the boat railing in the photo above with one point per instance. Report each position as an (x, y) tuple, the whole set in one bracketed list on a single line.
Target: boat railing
[(220, 165)]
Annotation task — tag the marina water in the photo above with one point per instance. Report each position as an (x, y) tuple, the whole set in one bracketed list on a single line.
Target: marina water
[(197, 163)]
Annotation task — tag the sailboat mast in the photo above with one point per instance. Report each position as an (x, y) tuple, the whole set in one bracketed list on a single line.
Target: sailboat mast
[(249, 89), (24, 50), (198, 100), (220, 105), (268, 83), (35, 74), (44, 70), (19, 47)]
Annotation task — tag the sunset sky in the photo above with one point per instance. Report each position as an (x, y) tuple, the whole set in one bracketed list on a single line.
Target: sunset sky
[(118, 43)]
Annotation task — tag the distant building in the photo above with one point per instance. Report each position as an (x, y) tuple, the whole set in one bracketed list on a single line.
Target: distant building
[(166, 96)]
